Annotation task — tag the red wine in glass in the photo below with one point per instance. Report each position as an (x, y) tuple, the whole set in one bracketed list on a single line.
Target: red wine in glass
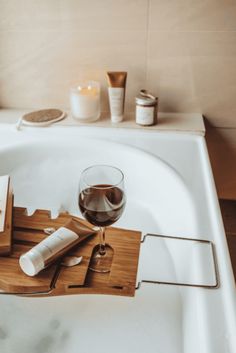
[(102, 204)]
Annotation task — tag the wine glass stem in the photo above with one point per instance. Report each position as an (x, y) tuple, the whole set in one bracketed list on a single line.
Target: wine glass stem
[(102, 248)]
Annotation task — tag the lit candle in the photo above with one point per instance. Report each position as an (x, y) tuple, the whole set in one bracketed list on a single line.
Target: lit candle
[(85, 101)]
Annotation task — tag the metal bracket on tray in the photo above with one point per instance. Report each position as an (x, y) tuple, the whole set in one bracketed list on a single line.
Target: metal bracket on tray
[(209, 286)]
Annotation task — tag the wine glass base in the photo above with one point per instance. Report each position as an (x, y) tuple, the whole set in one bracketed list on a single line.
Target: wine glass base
[(101, 263)]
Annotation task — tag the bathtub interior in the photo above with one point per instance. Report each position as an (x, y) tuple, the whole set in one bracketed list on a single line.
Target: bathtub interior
[(46, 176)]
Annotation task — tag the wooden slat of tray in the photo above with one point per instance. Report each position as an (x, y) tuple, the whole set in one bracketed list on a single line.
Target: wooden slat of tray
[(19, 249), (75, 276), (122, 278), (39, 220), (28, 230), (13, 280), (28, 235), (125, 256)]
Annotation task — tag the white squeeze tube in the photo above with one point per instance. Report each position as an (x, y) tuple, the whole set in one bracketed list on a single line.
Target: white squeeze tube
[(53, 247), (116, 92)]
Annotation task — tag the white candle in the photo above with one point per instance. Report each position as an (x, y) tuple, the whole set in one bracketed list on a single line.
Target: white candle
[(85, 101)]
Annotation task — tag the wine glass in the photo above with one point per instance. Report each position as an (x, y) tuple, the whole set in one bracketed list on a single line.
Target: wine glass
[(102, 202)]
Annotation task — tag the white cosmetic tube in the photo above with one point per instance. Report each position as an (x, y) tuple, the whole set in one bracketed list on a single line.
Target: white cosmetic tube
[(116, 92), (53, 247)]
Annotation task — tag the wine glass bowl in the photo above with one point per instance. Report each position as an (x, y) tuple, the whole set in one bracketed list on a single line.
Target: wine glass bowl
[(102, 202)]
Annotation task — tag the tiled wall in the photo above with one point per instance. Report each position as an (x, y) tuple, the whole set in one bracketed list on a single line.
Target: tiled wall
[(182, 50)]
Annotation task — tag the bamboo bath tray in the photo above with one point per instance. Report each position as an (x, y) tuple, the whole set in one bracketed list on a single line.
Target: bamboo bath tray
[(60, 280)]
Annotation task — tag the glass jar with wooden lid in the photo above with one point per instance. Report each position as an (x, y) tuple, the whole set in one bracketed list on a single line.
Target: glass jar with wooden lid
[(146, 108)]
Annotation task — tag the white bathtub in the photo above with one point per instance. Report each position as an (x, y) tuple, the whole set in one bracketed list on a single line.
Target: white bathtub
[(170, 190)]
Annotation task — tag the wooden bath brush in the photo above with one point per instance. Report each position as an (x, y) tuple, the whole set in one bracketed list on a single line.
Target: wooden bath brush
[(42, 117)]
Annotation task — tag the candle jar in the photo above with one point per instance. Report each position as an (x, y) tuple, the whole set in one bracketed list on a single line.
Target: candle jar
[(85, 101)]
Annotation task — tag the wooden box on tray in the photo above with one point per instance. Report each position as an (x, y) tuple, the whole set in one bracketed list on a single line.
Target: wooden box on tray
[(6, 206)]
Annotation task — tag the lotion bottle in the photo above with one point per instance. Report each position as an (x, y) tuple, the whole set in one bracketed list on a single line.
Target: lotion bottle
[(116, 91)]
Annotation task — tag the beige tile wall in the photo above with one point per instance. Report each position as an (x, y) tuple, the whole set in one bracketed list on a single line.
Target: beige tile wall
[(182, 50)]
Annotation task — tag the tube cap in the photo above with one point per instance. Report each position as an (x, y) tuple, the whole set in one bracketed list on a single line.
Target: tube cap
[(31, 263)]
